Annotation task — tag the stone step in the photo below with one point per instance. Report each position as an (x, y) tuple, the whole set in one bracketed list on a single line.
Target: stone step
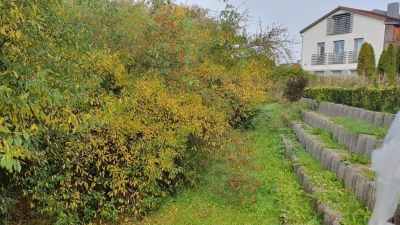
[(332, 109), (360, 144), (331, 217), (354, 180), (331, 160)]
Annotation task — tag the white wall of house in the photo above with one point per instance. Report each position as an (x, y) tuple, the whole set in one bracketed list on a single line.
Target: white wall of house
[(370, 29)]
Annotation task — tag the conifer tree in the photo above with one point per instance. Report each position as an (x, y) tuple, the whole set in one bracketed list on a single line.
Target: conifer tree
[(372, 70), (380, 68), (366, 61), (389, 64), (398, 60), (372, 64)]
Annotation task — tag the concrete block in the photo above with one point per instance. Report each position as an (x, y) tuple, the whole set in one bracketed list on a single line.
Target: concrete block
[(370, 145), (341, 173), (348, 178), (318, 154), (359, 188), (331, 217), (378, 119), (388, 118), (355, 179), (335, 164), (326, 163), (352, 141), (370, 193), (345, 111)]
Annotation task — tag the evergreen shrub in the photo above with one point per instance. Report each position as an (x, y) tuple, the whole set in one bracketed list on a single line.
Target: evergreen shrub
[(375, 99)]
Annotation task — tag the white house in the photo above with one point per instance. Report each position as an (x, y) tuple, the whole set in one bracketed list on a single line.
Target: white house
[(330, 45)]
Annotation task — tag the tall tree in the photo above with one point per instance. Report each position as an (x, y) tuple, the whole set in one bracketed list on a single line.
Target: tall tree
[(380, 68), (366, 61), (398, 60), (389, 64), (372, 69)]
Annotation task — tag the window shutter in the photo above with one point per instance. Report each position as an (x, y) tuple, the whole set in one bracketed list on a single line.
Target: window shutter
[(340, 24), (329, 26)]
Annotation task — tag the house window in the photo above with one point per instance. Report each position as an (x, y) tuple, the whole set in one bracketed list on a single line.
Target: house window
[(357, 44), (340, 24), (338, 51), (357, 47), (338, 47), (321, 73), (321, 53), (321, 48)]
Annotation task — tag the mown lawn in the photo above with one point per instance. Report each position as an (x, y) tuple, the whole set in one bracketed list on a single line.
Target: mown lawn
[(251, 182)]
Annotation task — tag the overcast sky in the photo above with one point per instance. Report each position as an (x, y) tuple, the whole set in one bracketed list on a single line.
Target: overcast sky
[(295, 14)]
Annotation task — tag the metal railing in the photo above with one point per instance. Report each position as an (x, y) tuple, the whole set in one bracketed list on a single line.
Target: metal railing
[(334, 58), (353, 57), (337, 58), (318, 59)]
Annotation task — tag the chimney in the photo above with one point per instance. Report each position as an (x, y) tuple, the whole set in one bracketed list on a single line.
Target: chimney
[(393, 10), (379, 11)]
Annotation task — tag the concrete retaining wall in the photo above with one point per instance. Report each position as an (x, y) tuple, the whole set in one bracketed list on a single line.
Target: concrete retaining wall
[(332, 109), (361, 144), (354, 180)]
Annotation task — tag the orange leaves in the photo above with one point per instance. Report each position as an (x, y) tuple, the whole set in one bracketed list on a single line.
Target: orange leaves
[(150, 138), (242, 183), (127, 119)]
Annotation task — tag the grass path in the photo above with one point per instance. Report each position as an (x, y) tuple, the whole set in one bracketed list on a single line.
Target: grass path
[(251, 182)]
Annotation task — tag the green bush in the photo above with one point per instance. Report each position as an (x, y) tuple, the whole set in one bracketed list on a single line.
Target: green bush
[(366, 62), (295, 87), (116, 110), (375, 99), (283, 73)]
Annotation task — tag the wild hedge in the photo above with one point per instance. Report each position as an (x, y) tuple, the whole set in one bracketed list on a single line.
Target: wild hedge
[(375, 99), (118, 108)]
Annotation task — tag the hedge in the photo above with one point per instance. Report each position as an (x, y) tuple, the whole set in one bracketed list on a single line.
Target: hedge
[(375, 99)]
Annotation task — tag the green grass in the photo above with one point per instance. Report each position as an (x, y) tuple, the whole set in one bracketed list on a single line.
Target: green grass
[(326, 138), (356, 159), (305, 127), (361, 127), (301, 106), (257, 155), (369, 173), (332, 189), (293, 110)]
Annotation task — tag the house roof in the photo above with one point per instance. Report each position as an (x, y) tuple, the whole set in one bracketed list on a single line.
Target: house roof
[(359, 11)]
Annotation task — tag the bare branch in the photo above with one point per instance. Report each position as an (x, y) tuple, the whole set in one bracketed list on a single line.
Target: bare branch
[(276, 40)]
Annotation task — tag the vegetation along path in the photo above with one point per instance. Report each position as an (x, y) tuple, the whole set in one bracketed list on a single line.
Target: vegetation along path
[(250, 183)]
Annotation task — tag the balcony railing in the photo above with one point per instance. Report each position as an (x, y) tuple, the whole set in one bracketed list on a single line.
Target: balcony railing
[(318, 59), (334, 58), (353, 57), (337, 58)]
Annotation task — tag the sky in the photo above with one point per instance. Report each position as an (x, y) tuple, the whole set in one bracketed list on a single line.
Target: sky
[(293, 14)]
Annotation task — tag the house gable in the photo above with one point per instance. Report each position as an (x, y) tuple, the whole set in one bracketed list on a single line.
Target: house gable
[(342, 9), (323, 51), (330, 45)]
